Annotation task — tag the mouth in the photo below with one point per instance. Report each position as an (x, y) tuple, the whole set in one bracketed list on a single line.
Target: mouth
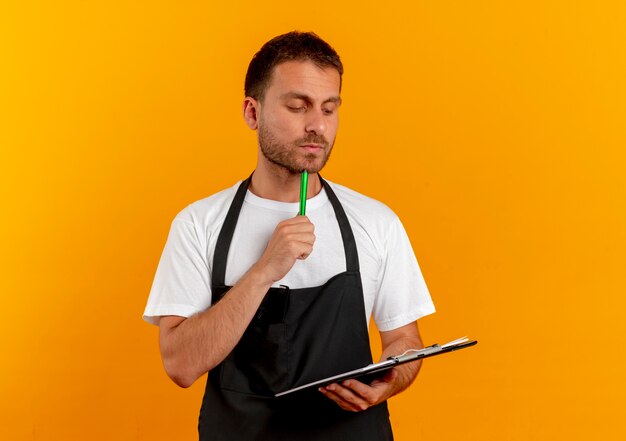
[(312, 147)]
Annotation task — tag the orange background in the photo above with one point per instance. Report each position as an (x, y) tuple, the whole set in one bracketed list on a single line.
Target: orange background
[(495, 130)]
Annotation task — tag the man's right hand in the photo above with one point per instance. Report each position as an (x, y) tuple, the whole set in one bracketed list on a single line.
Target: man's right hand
[(192, 346), (292, 239)]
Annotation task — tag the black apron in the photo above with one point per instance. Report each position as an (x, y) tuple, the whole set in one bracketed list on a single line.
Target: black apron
[(296, 336)]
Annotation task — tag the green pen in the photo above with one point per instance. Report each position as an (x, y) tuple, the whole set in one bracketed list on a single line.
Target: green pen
[(304, 183)]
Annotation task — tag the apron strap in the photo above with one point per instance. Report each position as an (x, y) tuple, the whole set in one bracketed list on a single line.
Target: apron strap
[(225, 237), (222, 246), (349, 243)]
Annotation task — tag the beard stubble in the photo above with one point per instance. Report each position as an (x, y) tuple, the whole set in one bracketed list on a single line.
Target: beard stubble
[(288, 155)]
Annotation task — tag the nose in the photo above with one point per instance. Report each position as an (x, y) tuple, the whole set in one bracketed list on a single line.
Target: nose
[(316, 122)]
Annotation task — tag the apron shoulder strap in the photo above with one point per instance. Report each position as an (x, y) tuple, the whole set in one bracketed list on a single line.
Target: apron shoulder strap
[(225, 237), (349, 243)]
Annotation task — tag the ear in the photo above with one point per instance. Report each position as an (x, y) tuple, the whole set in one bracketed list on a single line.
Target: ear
[(250, 112)]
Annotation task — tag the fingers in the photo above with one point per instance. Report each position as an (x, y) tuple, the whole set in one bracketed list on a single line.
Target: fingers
[(298, 236), (345, 398), (353, 395), (292, 239), (297, 225)]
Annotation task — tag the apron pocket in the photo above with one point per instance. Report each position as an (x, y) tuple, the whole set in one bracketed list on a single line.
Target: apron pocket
[(259, 363)]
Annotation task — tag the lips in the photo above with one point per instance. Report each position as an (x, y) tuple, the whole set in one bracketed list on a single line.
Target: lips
[(312, 147)]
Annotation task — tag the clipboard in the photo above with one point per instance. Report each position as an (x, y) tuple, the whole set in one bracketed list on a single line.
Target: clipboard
[(370, 372)]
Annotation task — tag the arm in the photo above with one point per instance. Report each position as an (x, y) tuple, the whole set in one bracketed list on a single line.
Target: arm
[(192, 346), (355, 396)]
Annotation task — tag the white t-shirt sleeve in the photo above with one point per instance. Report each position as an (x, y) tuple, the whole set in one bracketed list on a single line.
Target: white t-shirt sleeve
[(402, 295), (182, 282)]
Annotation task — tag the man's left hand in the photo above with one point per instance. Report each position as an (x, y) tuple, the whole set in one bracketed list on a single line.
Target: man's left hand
[(354, 396)]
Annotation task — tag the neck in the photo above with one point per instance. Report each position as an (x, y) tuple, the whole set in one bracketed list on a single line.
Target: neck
[(278, 184)]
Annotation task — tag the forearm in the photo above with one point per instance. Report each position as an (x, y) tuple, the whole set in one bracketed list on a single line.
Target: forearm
[(196, 345), (190, 347), (407, 372)]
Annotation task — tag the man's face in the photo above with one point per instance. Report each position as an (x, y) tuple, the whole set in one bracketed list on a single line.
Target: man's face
[(297, 119)]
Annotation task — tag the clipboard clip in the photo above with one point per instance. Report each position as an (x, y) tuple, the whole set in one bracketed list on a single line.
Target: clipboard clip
[(412, 354)]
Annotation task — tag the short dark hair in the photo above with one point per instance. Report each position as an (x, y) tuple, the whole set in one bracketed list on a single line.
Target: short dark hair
[(292, 46)]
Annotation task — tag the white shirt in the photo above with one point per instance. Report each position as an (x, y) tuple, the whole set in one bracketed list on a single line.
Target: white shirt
[(393, 287)]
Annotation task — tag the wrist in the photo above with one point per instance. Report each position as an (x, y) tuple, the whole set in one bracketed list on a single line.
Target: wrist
[(258, 278)]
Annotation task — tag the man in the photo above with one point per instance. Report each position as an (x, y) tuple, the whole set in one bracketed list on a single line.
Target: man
[(264, 300)]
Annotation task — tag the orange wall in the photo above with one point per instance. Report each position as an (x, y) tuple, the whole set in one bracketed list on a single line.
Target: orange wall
[(496, 132)]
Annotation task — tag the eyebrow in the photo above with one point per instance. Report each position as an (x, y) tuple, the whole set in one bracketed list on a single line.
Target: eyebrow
[(289, 95)]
